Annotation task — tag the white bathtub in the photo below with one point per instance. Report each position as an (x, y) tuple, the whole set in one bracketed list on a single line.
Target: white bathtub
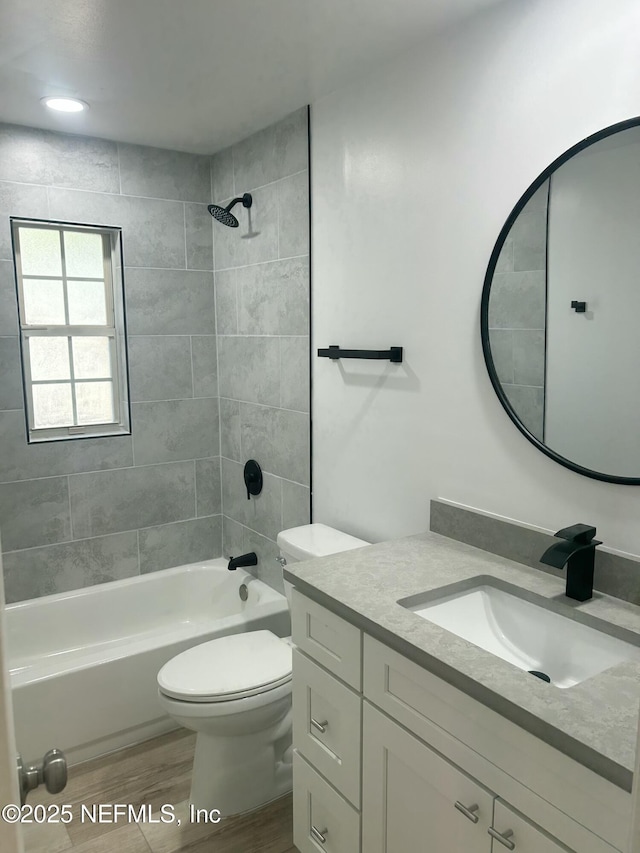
[(84, 663)]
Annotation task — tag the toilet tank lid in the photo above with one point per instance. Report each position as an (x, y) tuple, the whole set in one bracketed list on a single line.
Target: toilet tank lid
[(316, 540)]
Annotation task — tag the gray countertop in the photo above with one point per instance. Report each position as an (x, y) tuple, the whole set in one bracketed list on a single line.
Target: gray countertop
[(594, 722)]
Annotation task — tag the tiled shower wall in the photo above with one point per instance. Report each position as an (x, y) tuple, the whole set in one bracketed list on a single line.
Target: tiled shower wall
[(517, 312), (262, 305), (85, 511)]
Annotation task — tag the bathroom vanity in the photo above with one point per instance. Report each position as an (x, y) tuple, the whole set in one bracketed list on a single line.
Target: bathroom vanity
[(408, 737)]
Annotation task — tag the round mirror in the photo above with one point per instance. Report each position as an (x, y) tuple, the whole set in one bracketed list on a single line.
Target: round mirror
[(560, 314)]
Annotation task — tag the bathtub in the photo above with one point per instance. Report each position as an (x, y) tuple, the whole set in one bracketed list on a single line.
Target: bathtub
[(84, 663)]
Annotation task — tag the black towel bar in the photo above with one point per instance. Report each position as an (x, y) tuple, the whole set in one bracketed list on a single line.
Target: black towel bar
[(394, 354)]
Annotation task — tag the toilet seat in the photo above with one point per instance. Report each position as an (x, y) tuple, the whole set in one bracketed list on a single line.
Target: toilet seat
[(229, 668)]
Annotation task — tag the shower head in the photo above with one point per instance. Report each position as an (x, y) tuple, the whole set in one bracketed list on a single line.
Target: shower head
[(224, 215)]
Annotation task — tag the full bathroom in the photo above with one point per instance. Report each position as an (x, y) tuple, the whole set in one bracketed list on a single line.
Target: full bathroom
[(318, 458)]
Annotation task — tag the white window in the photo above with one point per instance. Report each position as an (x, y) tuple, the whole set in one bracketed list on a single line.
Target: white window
[(71, 304)]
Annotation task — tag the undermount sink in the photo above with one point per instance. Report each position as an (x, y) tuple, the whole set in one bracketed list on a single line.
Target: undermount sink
[(520, 628)]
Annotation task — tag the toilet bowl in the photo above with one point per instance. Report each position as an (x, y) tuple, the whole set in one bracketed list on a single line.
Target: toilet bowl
[(235, 693)]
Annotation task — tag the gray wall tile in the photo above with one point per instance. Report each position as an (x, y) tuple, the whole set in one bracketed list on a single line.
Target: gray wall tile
[(22, 461), (19, 200), (170, 302), (180, 543), (131, 498), (73, 565), (278, 439), (11, 394), (232, 537), (294, 360), (273, 298), (528, 403), (273, 153), (293, 215), (152, 229), (222, 185), (205, 365), (226, 302), (268, 570), (174, 430), (199, 237), (501, 341), (208, 487), (529, 235), (34, 512), (505, 258), (517, 301), (37, 156), (8, 299), (296, 504), (160, 367), (249, 369), (256, 238), (161, 209), (159, 173), (528, 357), (230, 439), (263, 513)]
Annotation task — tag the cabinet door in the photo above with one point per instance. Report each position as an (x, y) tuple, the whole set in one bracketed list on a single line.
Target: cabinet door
[(414, 800), (520, 835)]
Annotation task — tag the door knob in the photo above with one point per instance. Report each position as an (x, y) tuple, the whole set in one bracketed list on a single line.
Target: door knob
[(50, 772)]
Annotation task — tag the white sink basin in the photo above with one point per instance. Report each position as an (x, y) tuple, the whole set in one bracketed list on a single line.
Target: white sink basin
[(528, 635)]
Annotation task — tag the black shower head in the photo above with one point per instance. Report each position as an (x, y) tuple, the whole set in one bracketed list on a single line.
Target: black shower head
[(224, 215)]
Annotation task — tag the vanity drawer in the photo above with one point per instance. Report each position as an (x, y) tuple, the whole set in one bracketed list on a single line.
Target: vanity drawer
[(327, 725), (322, 819), (535, 778), (327, 638)]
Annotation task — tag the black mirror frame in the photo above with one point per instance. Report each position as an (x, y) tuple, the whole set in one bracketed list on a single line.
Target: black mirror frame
[(486, 290)]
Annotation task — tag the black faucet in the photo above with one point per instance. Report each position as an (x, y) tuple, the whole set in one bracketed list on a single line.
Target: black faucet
[(577, 553), (250, 559)]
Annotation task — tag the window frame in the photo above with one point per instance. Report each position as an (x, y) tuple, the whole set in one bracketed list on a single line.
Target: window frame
[(114, 329)]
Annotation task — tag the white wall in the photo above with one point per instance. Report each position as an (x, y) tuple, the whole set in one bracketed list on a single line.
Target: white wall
[(593, 358), (413, 174)]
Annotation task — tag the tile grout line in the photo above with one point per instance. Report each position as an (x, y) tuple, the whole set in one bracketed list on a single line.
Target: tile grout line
[(119, 169), (184, 231), (70, 511), (195, 487)]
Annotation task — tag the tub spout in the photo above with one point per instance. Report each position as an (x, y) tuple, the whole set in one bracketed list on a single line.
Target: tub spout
[(250, 559)]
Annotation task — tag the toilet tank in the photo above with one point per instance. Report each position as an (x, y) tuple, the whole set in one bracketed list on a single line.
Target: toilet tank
[(313, 540)]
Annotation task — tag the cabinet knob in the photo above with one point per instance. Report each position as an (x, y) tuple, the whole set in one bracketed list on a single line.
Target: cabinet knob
[(321, 727), (320, 836), (468, 811), (503, 837)]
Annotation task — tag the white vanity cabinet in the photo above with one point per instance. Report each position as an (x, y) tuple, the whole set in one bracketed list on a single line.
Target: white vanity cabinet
[(431, 804), (413, 799), (389, 758)]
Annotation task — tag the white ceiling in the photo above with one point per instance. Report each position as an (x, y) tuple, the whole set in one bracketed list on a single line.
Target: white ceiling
[(197, 75)]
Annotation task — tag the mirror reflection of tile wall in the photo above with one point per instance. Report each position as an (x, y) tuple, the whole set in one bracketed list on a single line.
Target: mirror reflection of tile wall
[(517, 312)]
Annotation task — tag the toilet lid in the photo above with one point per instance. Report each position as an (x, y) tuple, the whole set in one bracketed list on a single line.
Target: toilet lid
[(228, 668)]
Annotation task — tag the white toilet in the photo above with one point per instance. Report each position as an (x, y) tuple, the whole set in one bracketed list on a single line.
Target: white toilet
[(235, 692)]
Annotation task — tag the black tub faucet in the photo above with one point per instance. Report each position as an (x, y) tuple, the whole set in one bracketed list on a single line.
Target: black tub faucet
[(577, 552), (250, 559)]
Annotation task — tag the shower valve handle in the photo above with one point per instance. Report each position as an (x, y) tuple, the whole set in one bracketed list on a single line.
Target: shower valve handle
[(252, 478)]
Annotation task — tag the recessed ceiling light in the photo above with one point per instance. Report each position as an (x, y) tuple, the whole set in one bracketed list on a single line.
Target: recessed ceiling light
[(65, 105)]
